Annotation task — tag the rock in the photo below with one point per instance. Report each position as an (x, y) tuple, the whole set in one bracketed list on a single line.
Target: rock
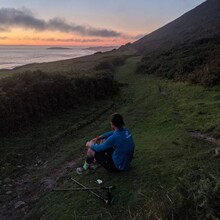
[(19, 204), (39, 161), (7, 164), (9, 192), (217, 152), (7, 180)]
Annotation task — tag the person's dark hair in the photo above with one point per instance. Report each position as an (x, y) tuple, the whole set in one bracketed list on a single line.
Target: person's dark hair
[(117, 120)]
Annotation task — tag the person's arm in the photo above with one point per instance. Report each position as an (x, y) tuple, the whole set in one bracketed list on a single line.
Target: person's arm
[(106, 135), (104, 146), (101, 137)]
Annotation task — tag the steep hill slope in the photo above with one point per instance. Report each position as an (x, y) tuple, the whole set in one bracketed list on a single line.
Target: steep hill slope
[(186, 49), (201, 22)]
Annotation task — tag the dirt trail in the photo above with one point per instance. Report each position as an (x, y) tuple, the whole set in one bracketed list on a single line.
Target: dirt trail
[(208, 138), (50, 182), (20, 204)]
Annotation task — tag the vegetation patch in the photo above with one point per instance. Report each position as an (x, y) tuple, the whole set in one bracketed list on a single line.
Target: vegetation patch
[(30, 96), (197, 62)]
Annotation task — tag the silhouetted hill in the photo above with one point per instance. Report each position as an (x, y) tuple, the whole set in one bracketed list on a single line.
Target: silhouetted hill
[(201, 22)]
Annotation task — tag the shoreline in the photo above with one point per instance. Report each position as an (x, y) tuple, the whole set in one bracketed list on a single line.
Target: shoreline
[(72, 65), (48, 55)]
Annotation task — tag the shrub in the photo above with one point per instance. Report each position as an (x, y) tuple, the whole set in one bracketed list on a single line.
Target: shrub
[(196, 62), (110, 64), (30, 96)]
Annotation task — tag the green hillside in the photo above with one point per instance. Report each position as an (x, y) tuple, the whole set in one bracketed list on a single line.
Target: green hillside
[(196, 62), (173, 176)]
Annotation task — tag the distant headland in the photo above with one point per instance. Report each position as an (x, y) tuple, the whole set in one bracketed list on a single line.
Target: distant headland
[(58, 48), (101, 48)]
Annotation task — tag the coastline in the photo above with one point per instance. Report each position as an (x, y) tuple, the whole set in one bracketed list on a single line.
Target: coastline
[(57, 56), (72, 65), (16, 56)]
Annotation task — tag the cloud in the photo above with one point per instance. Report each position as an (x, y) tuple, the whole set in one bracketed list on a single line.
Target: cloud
[(63, 39), (24, 18), (4, 29), (85, 40)]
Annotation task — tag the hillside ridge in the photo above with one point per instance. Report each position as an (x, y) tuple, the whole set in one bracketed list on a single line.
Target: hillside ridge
[(198, 23)]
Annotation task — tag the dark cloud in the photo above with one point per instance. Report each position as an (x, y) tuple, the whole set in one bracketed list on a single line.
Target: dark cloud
[(21, 18), (10, 17)]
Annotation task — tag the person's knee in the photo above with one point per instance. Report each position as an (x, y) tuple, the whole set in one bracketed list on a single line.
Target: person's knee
[(90, 152)]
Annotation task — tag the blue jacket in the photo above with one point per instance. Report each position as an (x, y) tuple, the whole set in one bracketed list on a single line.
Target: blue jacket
[(123, 144)]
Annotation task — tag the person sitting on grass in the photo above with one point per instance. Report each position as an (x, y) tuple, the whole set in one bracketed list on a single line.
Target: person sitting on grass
[(113, 150)]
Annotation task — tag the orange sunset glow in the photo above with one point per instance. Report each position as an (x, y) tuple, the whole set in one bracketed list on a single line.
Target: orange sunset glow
[(18, 36), (84, 23)]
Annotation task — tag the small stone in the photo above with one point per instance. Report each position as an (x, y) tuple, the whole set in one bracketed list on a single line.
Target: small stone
[(19, 204), (9, 192), (39, 161), (7, 164), (20, 166), (7, 180)]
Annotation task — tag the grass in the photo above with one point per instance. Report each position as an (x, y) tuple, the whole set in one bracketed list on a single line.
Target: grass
[(198, 106), (164, 158), (196, 62)]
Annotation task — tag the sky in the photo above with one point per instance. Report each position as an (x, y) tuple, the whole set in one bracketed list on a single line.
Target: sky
[(85, 22)]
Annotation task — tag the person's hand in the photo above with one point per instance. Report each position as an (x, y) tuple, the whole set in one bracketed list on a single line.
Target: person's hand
[(96, 139), (90, 143)]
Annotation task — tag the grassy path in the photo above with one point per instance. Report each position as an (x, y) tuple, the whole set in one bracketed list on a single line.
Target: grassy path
[(165, 154), (166, 159)]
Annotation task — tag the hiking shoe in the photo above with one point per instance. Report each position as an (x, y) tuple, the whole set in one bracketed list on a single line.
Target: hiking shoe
[(80, 170)]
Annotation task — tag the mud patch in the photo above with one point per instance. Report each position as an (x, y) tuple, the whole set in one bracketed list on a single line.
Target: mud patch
[(205, 137), (50, 182), (208, 138), (23, 195)]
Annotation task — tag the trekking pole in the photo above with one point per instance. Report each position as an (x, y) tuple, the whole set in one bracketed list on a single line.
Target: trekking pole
[(88, 188), (107, 201)]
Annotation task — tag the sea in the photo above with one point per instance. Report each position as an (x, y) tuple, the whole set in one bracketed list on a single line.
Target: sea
[(14, 56)]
